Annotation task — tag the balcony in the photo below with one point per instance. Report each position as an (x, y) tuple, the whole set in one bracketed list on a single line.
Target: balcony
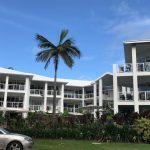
[(125, 96), (108, 94), (127, 67), (49, 108), (36, 107), (71, 109), (15, 104), (89, 96), (143, 67), (72, 95), (144, 96), (2, 86), (51, 92), (1, 103), (39, 92), (19, 87)]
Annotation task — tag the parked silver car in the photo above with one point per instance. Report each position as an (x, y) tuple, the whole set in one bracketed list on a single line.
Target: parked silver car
[(12, 141)]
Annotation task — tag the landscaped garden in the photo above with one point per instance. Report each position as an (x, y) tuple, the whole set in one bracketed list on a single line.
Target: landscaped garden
[(84, 145), (108, 128)]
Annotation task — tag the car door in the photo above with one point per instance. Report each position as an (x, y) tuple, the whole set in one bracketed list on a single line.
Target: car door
[(3, 139)]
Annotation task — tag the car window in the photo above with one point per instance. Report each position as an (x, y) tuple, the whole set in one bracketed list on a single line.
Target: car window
[(1, 132)]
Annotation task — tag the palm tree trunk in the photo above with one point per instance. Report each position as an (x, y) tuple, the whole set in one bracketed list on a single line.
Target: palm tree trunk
[(55, 86), (54, 95)]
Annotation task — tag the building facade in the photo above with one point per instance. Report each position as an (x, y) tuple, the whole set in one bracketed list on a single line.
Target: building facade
[(126, 89)]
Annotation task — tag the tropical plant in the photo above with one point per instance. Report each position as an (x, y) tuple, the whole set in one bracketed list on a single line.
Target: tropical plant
[(65, 50)]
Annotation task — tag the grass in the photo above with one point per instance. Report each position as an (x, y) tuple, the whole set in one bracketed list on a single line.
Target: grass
[(42, 144)]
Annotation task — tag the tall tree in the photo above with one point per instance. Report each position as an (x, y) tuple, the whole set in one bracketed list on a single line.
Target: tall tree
[(65, 50)]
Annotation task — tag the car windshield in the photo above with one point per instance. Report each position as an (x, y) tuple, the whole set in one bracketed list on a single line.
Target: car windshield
[(5, 131)]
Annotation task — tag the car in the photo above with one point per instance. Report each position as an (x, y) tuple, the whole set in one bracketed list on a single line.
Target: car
[(13, 141)]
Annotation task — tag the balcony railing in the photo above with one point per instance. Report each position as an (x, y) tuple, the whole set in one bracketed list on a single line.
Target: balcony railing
[(19, 87), (108, 94), (2, 85), (127, 67), (72, 95), (36, 107), (15, 104), (144, 96), (51, 92), (49, 108), (89, 95), (125, 96), (141, 67), (71, 109), (37, 92), (1, 103)]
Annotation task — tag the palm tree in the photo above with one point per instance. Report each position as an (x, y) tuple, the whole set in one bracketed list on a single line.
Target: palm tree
[(65, 50)]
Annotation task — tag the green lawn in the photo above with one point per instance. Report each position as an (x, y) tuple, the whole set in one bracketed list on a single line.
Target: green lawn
[(84, 145)]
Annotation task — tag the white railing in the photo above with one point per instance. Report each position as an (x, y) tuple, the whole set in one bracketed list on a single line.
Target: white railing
[(72, 95), (1, 103), (125, 96), (108, 94), (71, 109), (144, 96), (16, 87), (49, 108), (141, 67), (36, 107), (37, 92), (15, 104), (89, 95), (51, 92), (127, 67), (2, 85)]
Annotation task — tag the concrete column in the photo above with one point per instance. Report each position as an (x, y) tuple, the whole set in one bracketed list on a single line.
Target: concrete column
[(100, 92), (45, 97), (83, 96), (6, 92), (100, 95), (135, 81), (95, 97), (115, 88), (95, 94), (74, 108), (26, 96), (62, 99)]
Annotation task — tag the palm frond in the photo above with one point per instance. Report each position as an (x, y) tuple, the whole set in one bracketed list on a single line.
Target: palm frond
[(63, 35), (43, 42), (74, 51), (44, 55), (67, 59)]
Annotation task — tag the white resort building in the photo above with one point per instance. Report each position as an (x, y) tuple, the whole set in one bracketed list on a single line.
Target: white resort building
[(126, 89)]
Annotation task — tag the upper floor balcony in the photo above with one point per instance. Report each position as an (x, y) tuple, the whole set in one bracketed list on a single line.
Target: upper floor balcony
[(128, 67), (124, 68), (144, 96), (37, 92), (2, 86), (72, 95), (125, 96), (51, 92), (143, 67), (18, 87), (89, 96)]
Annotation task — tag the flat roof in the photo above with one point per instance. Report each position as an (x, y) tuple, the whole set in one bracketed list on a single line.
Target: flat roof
[(137, 41)]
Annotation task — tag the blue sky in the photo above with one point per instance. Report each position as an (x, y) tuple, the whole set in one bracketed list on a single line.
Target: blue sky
[(98, 27)]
